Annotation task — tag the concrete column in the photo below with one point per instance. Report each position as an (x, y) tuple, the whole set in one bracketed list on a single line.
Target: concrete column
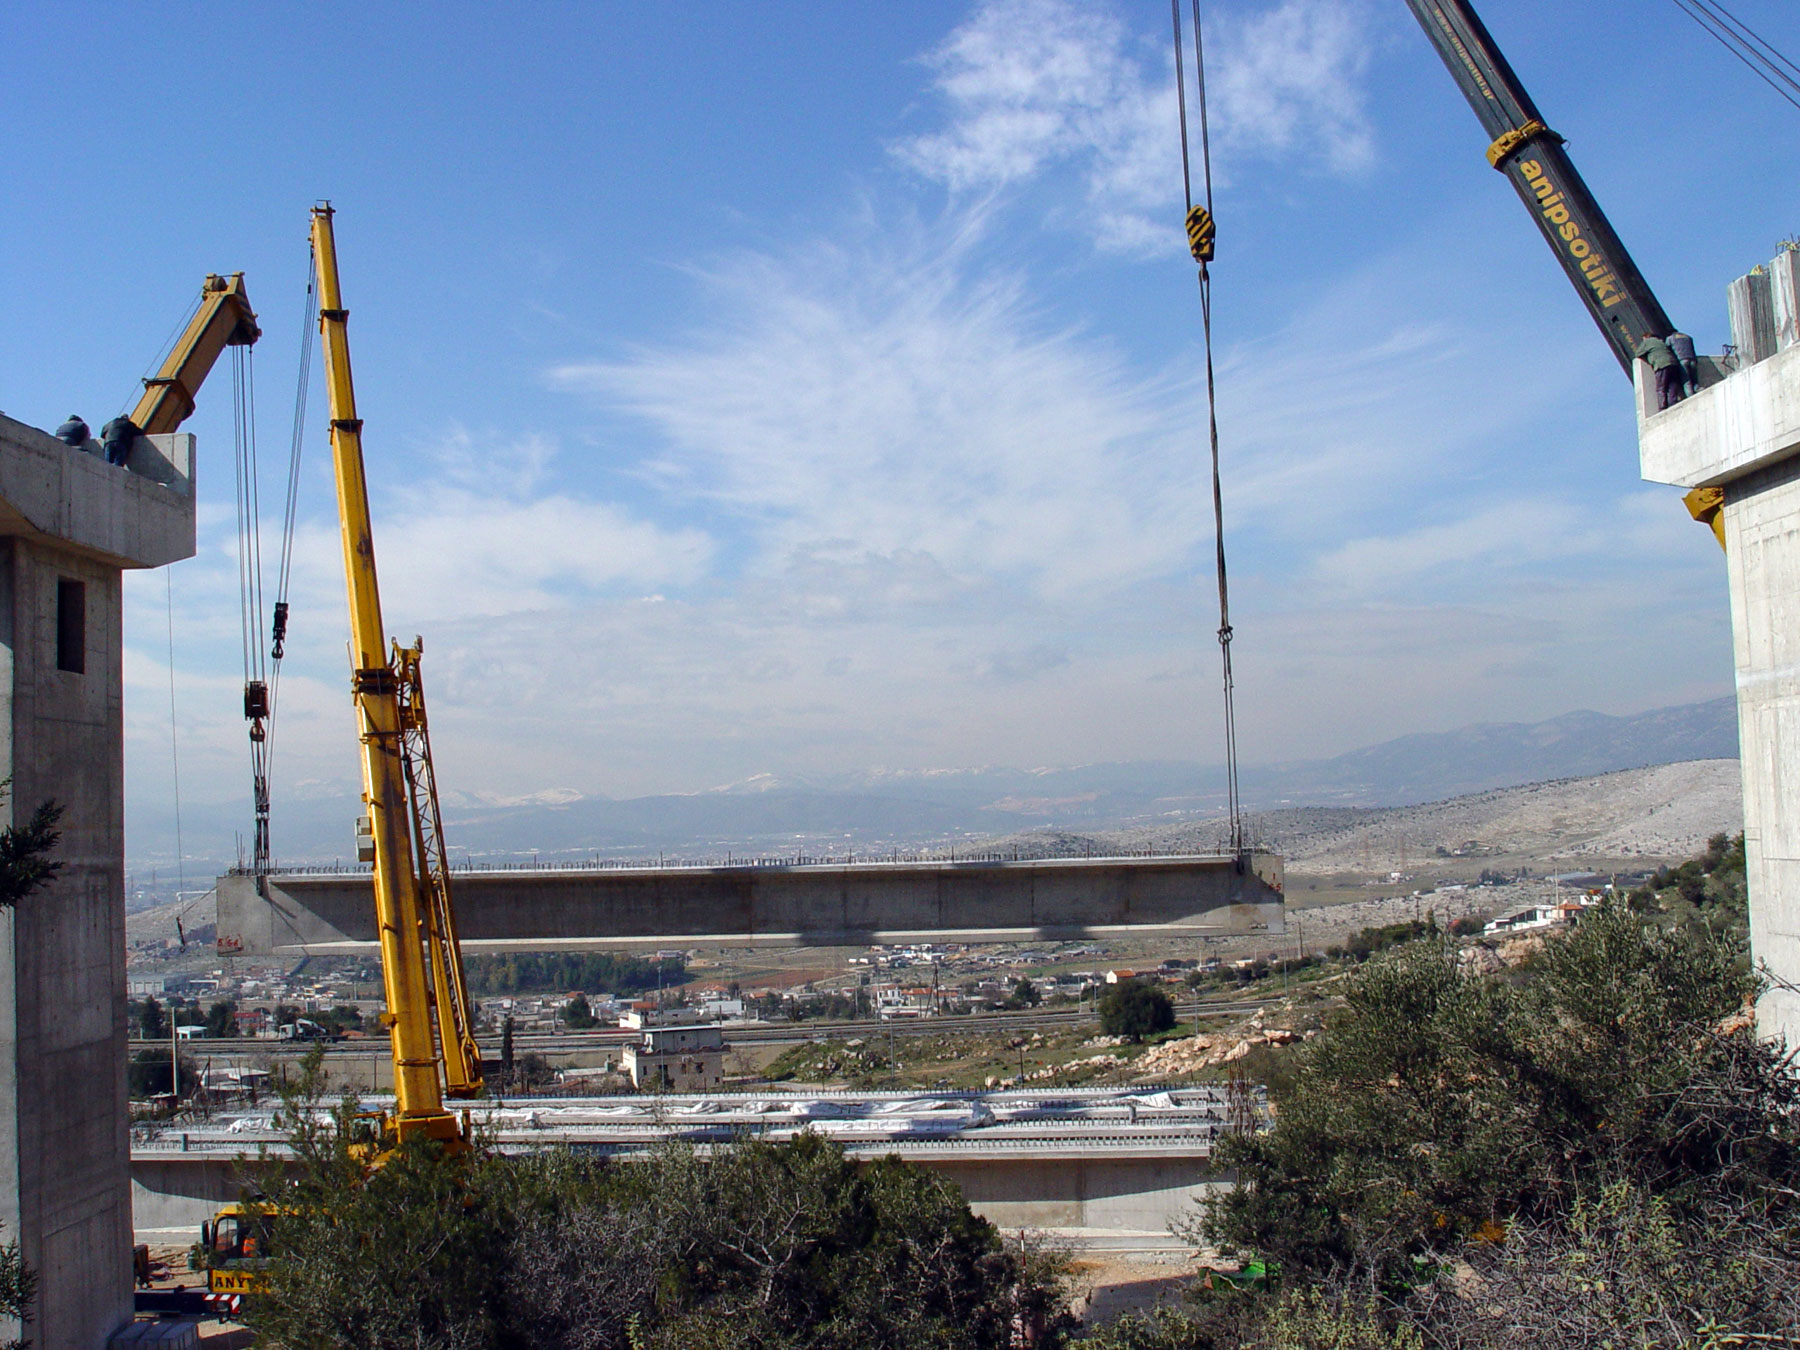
[(67, 955), (1762, 540), (1784, 294), (69, 524), (1742, 436), (1750, 301)]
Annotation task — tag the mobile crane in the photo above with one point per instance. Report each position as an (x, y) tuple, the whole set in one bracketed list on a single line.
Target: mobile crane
[(428, 1015), (1533, 159)]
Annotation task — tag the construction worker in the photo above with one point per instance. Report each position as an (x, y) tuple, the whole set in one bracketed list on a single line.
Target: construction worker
[(1664, 366), (74, 432), (116, 438), (1683, 347)]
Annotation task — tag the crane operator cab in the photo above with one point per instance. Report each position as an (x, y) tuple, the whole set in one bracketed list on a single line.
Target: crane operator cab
[(235, 1248)]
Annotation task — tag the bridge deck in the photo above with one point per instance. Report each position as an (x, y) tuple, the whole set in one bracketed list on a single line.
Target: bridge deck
[(802, 904)]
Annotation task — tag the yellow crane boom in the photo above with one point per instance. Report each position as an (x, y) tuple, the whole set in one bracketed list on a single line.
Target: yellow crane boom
[(427, 1014), (224, 319)]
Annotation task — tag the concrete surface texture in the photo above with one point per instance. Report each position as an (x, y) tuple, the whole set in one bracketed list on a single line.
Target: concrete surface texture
[(69, 523), (1743, 434), (809, 905)]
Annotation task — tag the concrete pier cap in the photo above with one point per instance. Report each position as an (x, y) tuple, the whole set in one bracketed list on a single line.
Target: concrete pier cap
[(70, 524), (813, 905), (1740, 434)]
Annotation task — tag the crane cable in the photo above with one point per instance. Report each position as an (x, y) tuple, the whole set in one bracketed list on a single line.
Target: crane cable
[(262, 697), (1201, 233), (1763, 58), (285, 570), (175, 753), (250, 593)]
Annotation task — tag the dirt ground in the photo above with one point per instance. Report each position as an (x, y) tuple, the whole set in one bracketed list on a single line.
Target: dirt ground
[(1110, 1284)]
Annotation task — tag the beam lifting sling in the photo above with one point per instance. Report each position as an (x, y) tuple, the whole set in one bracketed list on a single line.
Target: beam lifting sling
[(1201, 234)]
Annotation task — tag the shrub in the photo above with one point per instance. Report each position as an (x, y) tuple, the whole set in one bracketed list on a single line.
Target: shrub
[(1439, 1102), (1134, 1010), (790, 1246)]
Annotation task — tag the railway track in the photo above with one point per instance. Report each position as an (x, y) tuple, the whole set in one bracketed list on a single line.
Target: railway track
[(776, 1033)]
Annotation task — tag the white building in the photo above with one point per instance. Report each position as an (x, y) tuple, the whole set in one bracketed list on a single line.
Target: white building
[(677, 1059)]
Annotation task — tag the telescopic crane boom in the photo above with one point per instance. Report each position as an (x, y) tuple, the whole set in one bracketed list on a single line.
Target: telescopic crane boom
[(224, 319), (1534, 161), (421, 964)]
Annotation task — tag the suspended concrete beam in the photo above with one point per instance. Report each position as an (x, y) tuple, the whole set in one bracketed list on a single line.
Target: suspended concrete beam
[(807, 905)]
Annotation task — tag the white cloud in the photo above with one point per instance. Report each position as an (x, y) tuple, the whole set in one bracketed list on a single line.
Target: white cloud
[(922, 413), (484, 534), (1289, 82), (1032, 85)]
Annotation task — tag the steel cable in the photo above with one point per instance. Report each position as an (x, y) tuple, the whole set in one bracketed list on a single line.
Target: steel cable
[(1233, 800)]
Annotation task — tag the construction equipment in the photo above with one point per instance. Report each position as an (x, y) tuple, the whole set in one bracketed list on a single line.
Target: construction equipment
[(1534, 161), (235, 1247), (223, 319), (428, 1017)]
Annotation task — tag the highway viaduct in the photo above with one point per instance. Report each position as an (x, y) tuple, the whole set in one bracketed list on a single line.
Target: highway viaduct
[(778, 904), (1099, 1167)]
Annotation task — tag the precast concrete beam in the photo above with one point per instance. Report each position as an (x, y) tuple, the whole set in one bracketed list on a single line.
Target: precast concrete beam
[(811, 905)]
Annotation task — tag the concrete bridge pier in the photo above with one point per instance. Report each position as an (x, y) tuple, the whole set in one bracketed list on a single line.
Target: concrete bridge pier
[(70, 524), (1741, 436)]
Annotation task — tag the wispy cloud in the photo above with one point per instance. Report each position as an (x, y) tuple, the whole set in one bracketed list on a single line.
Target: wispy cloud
[(922, 411), (484, 533), (1032, 86)]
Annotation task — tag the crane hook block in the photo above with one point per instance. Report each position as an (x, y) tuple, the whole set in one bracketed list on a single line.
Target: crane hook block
[(1200, 232)]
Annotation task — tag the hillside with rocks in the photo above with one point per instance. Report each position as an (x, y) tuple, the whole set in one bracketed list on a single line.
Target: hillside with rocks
[(1634, 818)]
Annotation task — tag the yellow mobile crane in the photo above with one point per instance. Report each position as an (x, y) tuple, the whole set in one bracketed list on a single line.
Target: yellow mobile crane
[(427, 1015)]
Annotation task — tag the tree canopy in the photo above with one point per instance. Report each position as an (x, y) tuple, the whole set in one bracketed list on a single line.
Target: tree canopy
[(1134, 1010), (783, 1245)]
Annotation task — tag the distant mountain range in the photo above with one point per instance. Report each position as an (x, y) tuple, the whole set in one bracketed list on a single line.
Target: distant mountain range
[(1429, 766), (877, 809)]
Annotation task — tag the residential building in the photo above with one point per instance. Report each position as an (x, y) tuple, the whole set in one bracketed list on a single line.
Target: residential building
[(677, 1059)]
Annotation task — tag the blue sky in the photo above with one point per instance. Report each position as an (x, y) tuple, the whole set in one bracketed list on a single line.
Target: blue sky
[(808, 388)]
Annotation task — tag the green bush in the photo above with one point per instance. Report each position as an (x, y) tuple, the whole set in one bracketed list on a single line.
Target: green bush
[(1439, 1101), (788, 1246), (1134, 1010)]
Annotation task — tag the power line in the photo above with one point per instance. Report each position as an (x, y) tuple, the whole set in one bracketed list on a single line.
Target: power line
[(1749, 33), (1720, 27)]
